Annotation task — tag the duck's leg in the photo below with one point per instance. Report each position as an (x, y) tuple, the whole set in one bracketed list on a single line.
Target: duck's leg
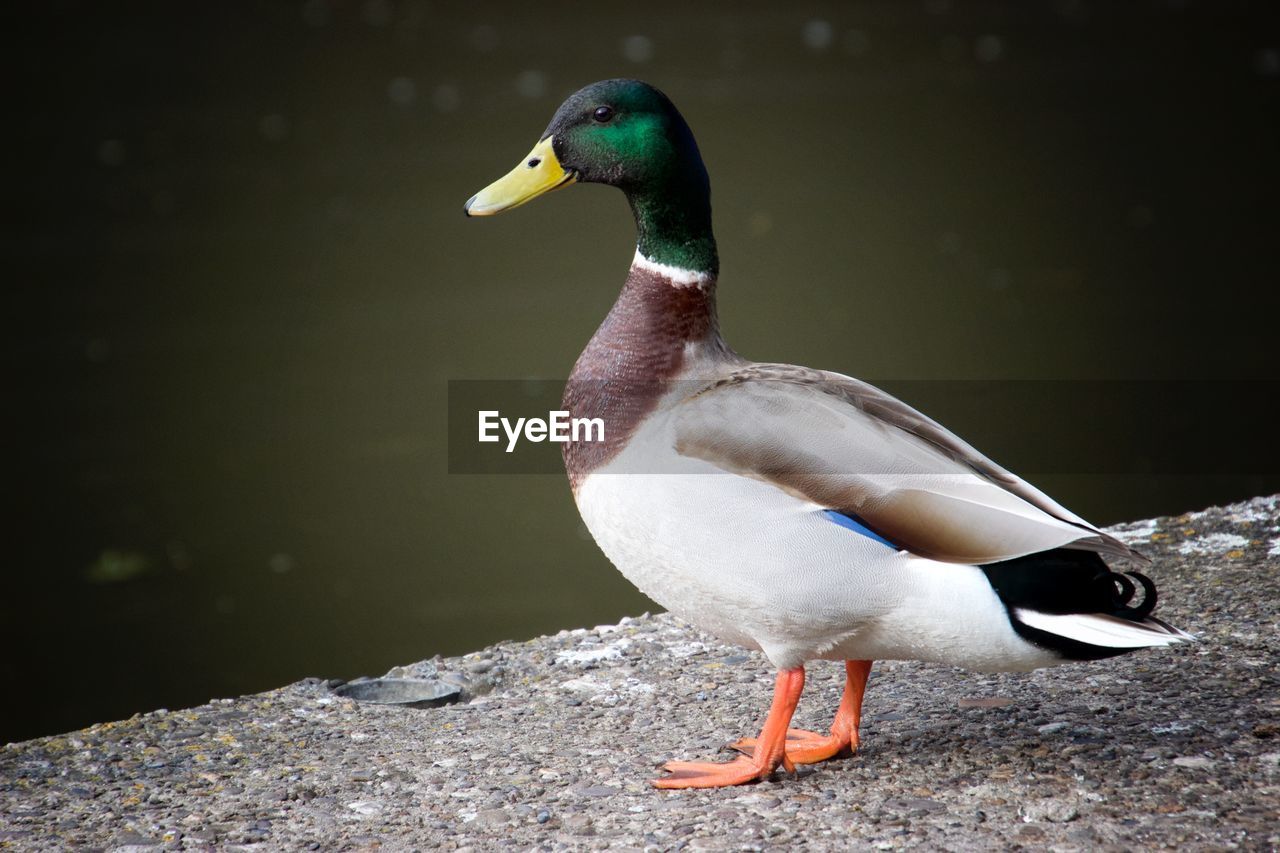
[(804, 747), (762, 761)]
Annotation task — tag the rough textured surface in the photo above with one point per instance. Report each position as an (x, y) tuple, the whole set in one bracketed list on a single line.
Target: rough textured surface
[(1175, 748)]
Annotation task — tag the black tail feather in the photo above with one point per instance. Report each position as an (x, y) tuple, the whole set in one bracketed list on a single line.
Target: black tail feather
[(1065, 581)]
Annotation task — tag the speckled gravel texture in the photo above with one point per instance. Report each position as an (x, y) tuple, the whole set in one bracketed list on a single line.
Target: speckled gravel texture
[(1163, 748)]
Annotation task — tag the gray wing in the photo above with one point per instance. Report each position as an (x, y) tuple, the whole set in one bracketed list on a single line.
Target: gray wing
[(846, 445)]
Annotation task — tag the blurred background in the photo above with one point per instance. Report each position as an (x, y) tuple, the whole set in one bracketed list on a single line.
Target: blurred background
[(240, 282)]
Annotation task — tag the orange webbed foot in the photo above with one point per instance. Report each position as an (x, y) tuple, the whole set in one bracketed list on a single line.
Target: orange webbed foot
[(708, 774), (777, 745), (806, 747), (762, 762)]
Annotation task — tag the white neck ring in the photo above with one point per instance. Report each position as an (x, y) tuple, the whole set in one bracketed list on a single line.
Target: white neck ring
[(678, 276)]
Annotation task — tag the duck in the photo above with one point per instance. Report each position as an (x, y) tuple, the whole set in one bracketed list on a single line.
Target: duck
[(798, 512)]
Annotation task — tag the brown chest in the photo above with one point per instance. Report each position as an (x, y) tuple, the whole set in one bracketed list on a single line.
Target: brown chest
[(632, 359)]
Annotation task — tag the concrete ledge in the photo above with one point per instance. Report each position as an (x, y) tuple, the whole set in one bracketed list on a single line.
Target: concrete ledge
[(1171, 748)]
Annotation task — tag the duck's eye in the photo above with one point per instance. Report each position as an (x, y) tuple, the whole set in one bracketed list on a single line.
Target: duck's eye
[(602, 114)]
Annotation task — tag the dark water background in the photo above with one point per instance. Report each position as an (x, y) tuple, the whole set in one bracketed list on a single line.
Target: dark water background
[(240, 282)]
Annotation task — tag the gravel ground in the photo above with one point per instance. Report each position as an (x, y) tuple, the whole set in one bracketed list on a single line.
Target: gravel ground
[(555, 738)]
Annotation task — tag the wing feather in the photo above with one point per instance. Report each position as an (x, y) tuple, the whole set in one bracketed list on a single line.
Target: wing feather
[(848, 446)]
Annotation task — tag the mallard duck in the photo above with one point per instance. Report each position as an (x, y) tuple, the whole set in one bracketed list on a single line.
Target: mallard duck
[(802, 513)]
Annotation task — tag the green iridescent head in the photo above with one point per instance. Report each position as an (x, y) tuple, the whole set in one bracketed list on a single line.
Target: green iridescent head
[(627, 134)]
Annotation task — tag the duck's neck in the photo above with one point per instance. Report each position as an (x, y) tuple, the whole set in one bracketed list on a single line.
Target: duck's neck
[(669, 300), (662, 327), (673, 221)]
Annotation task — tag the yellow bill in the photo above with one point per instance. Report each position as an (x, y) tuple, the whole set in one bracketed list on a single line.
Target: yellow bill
[(539, 173)]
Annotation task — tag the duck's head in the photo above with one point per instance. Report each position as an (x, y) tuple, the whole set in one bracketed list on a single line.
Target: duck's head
[(627, 134)]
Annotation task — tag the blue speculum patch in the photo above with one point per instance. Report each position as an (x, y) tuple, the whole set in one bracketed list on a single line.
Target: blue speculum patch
[(857, 526)]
